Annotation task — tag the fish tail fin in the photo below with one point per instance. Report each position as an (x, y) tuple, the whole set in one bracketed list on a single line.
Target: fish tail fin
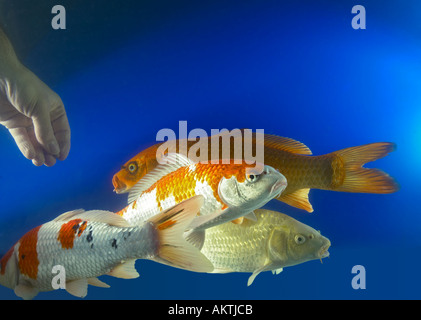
[(356, 178), (174, 250)]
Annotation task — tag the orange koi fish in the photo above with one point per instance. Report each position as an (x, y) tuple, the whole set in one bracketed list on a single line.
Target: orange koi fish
[(230, 190), (337, 171), (93, 243)]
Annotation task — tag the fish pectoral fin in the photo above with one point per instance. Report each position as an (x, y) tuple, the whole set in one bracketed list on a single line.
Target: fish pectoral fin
[(251, 216), (97, 283), (204, 222), (125, 270), (77, 288), (297, 199), (26, 292), (238, 220), (266, 266), (173, 161), (253, 276)]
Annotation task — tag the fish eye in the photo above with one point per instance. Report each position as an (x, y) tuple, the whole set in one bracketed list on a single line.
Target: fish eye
[(299, 239), (252, 177), (132, 167)]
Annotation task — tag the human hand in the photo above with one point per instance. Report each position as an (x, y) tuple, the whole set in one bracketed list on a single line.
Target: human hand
[(35, 117)]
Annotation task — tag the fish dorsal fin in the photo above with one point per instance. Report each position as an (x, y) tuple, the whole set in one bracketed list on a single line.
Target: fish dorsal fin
[(297, 199), (174, 162), (69, 215), (126, 270), (77, 288), (101, 216), (286, 144)]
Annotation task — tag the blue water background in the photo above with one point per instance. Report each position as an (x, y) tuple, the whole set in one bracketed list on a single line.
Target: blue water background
[(126, 69)]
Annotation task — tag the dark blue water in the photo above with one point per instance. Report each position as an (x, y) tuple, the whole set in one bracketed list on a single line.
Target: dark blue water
[(126, 69)]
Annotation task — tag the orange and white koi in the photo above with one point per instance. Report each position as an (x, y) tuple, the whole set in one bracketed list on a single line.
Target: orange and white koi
[(93, 243), (231, 190), (340, 170)]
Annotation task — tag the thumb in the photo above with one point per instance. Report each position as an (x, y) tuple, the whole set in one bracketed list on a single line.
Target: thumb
[(44, 132)]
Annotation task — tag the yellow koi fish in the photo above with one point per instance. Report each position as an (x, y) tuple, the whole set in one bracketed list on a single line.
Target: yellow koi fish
[(270, 243), (337, 171)]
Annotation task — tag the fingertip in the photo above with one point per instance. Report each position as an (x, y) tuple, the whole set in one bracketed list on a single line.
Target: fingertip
[(53, 148), (39, 159), (63, 139), (36, 163), (64, 153), (49, 160)]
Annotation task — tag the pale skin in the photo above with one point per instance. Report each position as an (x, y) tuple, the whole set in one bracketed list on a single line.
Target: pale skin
[(32, 112)]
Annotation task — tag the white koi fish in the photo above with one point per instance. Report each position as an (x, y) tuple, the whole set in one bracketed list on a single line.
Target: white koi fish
[(231, 190), (93, 243)]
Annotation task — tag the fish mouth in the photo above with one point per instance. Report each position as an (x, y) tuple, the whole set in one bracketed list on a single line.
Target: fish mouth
[(119, 187), (278, 187), (323, 252)]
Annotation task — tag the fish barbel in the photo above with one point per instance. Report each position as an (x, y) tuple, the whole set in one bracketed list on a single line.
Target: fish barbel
[(230, 190), (272, 242), (93, 243), (341, 170)]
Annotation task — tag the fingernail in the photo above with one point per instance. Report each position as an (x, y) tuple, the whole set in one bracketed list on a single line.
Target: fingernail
[(54, 149)]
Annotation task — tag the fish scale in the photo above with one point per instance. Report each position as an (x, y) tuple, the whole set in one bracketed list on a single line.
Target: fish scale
[(182, 184), (86, 259), (230, 190), (84, 245), (269, 243), (244, 240), (341, 170)]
